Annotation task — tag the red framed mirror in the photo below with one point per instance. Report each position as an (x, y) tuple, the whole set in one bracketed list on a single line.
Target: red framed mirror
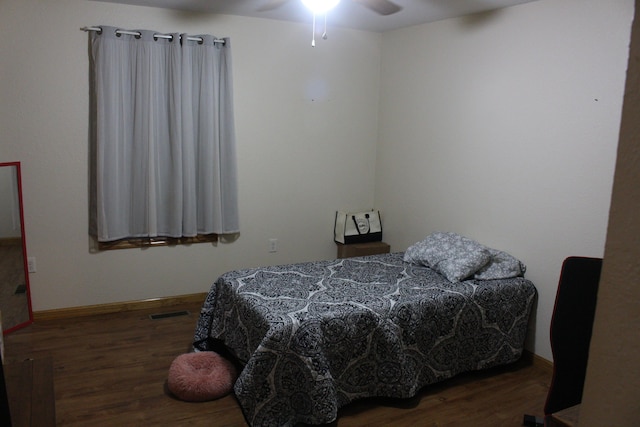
[(15, 293)]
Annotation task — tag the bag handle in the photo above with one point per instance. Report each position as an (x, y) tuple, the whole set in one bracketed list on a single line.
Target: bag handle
[(355, 221)]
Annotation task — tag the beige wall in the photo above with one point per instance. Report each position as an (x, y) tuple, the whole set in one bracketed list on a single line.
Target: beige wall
[(504, 127), (612, 388), (306, 130)]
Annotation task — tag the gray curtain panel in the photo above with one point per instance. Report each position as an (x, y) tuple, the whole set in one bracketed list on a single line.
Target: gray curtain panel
[(163, 138)]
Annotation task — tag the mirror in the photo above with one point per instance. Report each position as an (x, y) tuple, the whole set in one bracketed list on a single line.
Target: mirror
[(15, 300)]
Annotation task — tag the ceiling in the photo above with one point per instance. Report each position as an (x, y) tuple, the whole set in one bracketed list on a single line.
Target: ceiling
[(348, 14)]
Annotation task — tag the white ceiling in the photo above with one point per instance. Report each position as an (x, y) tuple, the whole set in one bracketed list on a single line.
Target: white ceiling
[(347, 14)]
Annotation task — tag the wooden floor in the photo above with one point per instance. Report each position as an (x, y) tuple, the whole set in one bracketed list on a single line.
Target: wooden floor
[(111, 369)]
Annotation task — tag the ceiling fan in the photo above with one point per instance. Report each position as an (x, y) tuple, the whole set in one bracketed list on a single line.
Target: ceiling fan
[(321, 7), (382, 7)]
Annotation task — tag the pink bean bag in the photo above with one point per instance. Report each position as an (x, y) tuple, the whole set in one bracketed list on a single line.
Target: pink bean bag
[(201, 376)]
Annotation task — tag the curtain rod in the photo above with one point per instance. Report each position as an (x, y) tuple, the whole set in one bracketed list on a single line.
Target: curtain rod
[(160, 36)]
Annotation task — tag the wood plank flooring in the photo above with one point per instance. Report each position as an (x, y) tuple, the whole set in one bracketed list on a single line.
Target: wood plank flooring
[(111, 370)]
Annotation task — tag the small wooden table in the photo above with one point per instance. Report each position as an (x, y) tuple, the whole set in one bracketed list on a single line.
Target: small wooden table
[(565, 418), (362, 249), (30, 392)]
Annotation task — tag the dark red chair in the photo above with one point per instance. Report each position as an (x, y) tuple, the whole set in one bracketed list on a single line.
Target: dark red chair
[(571, 327)]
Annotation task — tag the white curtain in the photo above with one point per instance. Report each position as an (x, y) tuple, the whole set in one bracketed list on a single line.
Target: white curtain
[(163, 154)]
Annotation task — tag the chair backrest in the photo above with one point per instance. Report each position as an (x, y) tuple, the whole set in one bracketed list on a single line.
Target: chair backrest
[(571, 327)]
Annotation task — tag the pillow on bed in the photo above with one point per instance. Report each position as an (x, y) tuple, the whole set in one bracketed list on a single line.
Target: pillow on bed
[(455, 257), (501, 266)]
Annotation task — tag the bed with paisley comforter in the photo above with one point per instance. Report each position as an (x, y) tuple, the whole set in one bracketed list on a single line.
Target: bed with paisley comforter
[(314, 336)]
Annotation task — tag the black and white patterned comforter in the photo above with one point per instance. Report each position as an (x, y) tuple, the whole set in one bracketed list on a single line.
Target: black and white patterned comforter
[(315, 336)]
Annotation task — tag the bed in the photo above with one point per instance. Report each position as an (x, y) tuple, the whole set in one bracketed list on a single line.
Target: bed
[(312, 337)]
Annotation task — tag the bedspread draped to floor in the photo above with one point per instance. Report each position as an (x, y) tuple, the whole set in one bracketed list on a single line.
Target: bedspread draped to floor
[(315, 336)]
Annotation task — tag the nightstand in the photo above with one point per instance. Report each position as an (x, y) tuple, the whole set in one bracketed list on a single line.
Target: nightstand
[(362, 249)]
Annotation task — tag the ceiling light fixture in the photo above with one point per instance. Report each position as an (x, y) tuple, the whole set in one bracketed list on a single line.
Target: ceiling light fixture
[(319, 7)]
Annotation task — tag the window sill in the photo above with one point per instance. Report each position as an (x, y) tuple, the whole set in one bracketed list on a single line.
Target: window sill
[(155, 241)]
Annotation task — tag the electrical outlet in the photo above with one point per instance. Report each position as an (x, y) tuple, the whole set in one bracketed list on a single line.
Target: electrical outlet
[(273, 245), (31, 264)]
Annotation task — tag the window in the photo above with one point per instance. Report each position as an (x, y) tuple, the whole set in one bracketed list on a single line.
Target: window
[(163, 159)]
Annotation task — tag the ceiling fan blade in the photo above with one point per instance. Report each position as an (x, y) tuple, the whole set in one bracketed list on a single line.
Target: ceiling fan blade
[(271, 4), (383, 7)]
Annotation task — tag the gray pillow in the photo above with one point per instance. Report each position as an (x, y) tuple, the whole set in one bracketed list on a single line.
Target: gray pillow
[(455, 257), (501, 266)]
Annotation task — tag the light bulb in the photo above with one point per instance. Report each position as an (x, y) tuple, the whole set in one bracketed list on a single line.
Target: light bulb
[(320, 6)]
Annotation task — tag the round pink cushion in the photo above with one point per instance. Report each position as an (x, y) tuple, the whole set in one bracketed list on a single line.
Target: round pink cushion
[(201, 376)]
